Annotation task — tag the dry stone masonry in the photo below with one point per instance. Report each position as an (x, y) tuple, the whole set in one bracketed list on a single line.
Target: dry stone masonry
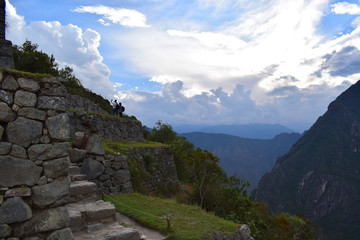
[(34, 162)]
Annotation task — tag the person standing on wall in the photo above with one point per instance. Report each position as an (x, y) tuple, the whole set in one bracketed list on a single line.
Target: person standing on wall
[(115, 106)]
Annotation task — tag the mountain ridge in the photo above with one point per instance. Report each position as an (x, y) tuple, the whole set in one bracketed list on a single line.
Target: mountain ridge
[(320, 175), (246, 157)]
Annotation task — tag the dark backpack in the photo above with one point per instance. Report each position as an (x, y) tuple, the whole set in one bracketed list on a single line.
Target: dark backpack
[(122, 108), (117, 106)]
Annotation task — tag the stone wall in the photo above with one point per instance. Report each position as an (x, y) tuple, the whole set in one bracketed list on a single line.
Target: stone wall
[(34, 162), (110, 172), (82, 104), (113, 128)]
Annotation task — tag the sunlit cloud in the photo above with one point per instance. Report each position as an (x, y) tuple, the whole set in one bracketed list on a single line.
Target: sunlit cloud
[(126, 17), (345, 8)]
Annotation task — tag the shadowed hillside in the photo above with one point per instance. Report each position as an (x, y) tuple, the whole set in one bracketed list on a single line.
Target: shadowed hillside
[(246, 157), (320, 175)]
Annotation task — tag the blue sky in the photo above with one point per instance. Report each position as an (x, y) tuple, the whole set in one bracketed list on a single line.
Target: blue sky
[(202, 62)]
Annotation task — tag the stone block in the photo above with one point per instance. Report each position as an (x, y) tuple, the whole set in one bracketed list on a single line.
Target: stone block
[(122, 234), (76, 155), (24, 131), (9, 83), (48, 151), (5, 148), (17, 171), (93, 145), (18, 192), (25, 99), (59, 91), (99, 211), (76, 221), (6, 113), (6, 97), (56, 218), (121, 176), (18, 151), (82, 188), (57, 167), (45, 195), (62, 234), (51, 103), (92, 168), (5, 230), (78, 140), (29, 84), (32, 113), (14, 210), (59, 127)]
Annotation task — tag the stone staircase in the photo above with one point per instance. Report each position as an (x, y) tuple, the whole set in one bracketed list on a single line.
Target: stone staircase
[(91, 218)]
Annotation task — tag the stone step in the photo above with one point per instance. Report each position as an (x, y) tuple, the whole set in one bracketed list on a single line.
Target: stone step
[(109, 231), (90, 216), (74, 170), (81, 191), (78, 177)]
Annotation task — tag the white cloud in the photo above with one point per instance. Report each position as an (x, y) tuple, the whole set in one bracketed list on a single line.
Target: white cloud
[(126, 17), (70, 46), (345, 8)]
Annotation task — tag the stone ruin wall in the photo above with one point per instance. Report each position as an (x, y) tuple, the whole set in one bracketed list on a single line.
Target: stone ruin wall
[(35, 156), (34, 161)]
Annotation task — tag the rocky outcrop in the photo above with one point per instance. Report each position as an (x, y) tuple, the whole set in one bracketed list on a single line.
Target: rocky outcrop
[(78, 103), (34, 181)]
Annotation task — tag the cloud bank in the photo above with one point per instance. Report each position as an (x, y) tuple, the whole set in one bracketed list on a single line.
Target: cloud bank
[(247, 62)]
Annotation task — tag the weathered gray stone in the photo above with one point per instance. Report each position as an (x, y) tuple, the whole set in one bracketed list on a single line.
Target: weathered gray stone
[(32, 113), (48, 151), (92, 168), (5, 230), (33, 238), (43, 196), (76, 220), (5, 148), (54, 91), (42, 181), (122, 234), (62, 234), (18, 151), (15, 171), (51, 103), (9, 83), (1, 132), (29, 84), (78, 140), (76, 155), (45, 139), (52, 80), (6, 97), (14, 210), (18, 192), (93, 145), (15, 107), (24, 131), (121, 176), (57, 167), (59, 127), (57, 218), (1, 199), (25, 99), (245, 232), (6, 113)]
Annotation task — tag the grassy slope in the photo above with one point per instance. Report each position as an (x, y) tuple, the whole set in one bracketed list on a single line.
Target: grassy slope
[(187, 222)]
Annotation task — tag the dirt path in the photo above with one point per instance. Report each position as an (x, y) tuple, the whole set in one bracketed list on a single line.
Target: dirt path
[(148, 234)]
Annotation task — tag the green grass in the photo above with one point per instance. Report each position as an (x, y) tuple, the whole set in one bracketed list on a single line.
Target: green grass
[(187, 222), (123, 146), (18, 74)]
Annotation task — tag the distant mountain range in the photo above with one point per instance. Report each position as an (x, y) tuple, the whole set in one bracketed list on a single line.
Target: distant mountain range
[(249, 158), (320, 175), (257, 131)]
